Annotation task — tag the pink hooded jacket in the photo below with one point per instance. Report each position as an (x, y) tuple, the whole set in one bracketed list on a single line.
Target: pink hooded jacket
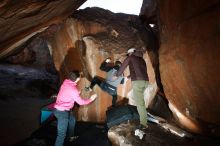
[(68, 95)]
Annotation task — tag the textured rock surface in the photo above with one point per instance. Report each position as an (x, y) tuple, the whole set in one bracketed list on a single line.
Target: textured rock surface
[(85, 40), (149, 11), (30, 71), (189, 51), (189, 62), (20, 20), (124, 135)]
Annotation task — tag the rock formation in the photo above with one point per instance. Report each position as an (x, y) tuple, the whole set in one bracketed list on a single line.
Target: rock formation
[(185, 66), (19, 21), (189, 62), (88, 40)]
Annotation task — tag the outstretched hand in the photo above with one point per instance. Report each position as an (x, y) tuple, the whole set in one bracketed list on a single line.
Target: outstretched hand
[(126, 79), (108, 60), (93, 97)]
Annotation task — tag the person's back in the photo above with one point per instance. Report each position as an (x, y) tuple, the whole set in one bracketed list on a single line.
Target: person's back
[(137, 67), (139, 78), (109, 78), (68, 89), (67, 96)]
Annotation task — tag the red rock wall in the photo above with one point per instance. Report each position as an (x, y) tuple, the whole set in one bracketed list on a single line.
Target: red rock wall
[(75, 47), (67, 57), (20, 20), (189, 61)]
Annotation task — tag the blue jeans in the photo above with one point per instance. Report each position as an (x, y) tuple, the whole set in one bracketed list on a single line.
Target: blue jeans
[(110, 90), (65, 124), (105, 87)]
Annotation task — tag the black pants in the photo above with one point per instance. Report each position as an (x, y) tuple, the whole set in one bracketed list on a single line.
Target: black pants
[(105, 87)]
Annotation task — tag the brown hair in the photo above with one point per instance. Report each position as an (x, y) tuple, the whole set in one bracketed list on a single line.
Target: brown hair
[(118, 63), (73, 75)]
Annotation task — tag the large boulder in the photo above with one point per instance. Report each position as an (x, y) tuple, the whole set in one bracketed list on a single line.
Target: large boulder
[(189, 62), (85, 40), (20, 20)]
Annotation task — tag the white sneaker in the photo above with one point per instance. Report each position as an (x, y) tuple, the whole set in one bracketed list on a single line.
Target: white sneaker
[(139, 133), (73, 138)]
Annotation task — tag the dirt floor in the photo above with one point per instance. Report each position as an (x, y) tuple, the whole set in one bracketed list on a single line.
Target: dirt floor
[(90, 134), (20, 126), (19, 118)]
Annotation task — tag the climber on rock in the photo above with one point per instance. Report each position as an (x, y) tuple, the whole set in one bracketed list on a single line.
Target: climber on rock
[(108, 84)]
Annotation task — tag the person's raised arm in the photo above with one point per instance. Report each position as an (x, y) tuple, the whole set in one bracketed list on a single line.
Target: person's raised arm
[(106, 65), (123, 67)]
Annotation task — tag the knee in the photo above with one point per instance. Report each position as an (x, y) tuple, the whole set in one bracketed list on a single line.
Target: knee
[(142, 104), (95, 78), (61, 133)]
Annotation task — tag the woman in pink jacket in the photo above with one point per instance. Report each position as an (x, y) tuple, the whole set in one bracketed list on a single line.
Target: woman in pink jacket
[(67, 96)]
